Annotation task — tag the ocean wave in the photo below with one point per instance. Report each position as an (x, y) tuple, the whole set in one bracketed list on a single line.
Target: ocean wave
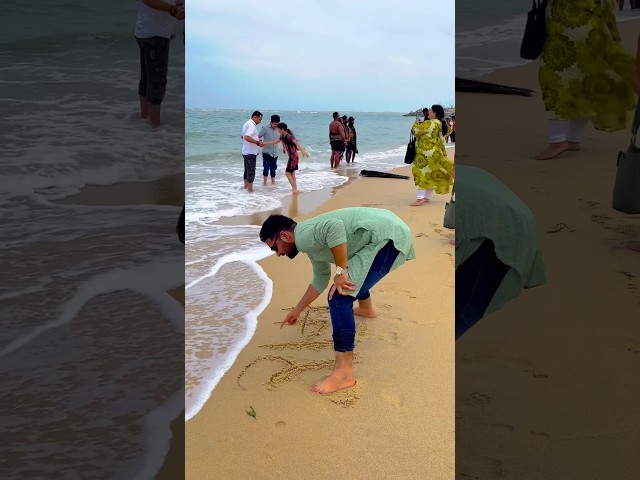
[(209, 371)]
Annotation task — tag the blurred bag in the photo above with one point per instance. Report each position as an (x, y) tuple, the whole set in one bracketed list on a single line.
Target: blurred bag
[(535, 32), (180, 226), (626, 190), (411, 150), (450, 212)]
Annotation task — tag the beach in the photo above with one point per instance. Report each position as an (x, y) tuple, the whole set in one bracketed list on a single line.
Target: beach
[(223, 221), (397, 422), (92, 344), (545, 387)]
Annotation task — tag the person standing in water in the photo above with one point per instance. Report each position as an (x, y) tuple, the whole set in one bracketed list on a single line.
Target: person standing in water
[(155, 25), (292, 147), (270, 137), (337, 139), (352, 145)]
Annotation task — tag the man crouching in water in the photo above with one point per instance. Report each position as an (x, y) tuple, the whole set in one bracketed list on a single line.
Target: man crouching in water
[(364, 244)]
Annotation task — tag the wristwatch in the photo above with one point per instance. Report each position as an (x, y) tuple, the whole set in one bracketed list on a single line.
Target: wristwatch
[(340, 270)]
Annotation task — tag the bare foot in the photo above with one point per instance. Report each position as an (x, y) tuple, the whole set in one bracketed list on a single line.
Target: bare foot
[(364, 312), (334, 382), (552, 151), (575, 146), (634, 245), (419, 201), (294, 192)]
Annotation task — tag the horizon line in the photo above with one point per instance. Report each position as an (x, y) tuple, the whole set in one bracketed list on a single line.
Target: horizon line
[(306, 111)]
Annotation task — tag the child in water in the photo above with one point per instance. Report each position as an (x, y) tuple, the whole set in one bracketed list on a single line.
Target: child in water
[(291, 146)]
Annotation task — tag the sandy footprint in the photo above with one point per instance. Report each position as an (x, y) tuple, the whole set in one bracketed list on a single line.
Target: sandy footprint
[(347, 397), (502, 428), (527, 366), (477, 399), (390, 337), (393, 398), (362, 327)]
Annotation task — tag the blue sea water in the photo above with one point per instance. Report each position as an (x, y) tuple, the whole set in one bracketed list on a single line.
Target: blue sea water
[(71, 274), (226, 288)]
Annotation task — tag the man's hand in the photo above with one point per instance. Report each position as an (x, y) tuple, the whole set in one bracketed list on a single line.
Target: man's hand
[(341, 283), (291, 318)]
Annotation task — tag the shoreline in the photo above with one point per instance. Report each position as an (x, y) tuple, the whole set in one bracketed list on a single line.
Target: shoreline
[(165, 190), (224, 410), (307, 202), (296, 206)]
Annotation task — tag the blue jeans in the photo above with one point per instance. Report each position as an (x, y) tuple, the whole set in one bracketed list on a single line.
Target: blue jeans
[(341, 306), (269, 164), (477, 280)]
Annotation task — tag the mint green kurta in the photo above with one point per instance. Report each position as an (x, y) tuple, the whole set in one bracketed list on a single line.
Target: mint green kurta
[(487, 209), (366, 231)]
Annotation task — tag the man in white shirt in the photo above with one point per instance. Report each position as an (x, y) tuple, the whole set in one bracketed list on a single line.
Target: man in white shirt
[(155, 26), (251, 145)]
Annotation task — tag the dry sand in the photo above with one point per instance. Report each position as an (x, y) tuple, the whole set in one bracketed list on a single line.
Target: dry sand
[(396, 423), (547, 387)]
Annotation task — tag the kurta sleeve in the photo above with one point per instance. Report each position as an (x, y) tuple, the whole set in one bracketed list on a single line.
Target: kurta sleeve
[(321, 275), (330, 232), (419, 129)]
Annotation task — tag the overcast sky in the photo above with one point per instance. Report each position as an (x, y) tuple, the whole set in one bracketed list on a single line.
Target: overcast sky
[(355, 55)]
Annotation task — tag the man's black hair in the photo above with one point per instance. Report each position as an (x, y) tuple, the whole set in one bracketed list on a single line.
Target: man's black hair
[(275, 118), (335, 115), (257, 113), (273, 225)]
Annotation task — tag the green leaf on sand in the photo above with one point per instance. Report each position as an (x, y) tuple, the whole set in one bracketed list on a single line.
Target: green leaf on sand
[(252, 412)]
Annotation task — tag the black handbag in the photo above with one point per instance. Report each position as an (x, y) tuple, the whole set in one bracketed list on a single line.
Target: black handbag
[(449, 220), (411, 150), (535, 32), (180, 226), (626, 190)]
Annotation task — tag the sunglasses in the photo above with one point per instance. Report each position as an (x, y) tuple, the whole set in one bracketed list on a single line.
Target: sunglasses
[(276, 237)]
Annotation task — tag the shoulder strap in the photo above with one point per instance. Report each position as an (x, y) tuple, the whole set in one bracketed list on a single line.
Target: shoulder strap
[(635, 124)]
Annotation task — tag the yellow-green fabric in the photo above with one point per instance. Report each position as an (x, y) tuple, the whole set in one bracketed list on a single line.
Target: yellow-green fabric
[(432, 169), (487, 210), (584, 72), (365, 230)]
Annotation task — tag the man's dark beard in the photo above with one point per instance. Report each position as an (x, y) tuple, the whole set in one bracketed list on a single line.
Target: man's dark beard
[(293, 252)]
